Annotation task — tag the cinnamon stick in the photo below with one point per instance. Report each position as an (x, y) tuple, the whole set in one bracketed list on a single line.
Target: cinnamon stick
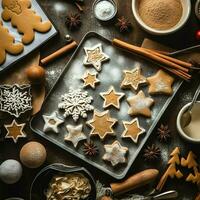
[(141, 51), (59, 52)]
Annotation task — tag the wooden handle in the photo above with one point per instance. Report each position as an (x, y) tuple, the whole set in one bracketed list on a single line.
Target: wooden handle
[(143, 52), (59, 52), (135, 181)]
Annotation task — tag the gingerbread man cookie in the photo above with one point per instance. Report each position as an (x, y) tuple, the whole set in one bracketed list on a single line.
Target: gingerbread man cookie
[(7, 44), (25, 19)]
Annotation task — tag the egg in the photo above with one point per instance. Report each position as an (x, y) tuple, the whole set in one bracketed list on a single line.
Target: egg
[(35, 74), (10, 171), (33, 154)]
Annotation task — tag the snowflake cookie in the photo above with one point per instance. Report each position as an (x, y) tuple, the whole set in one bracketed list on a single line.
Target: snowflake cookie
[(115, 153), (95, 56), (15, 131), (15, 99), (52, 122), (76, 103)]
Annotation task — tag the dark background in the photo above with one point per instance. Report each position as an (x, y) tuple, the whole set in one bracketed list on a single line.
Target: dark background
[(57, 11)]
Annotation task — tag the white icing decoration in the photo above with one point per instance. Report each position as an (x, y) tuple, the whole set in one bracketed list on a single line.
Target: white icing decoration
[(76, 103)]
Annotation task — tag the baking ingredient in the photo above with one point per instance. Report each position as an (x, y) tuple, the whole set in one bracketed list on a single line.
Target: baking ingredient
[(33, 154), (104, 10), (73, 21), (151, 153), (90, 149), (160, 14), (10, 171), (35, 74), (72, 186), (192, 130), (163, 133), (123, 24)]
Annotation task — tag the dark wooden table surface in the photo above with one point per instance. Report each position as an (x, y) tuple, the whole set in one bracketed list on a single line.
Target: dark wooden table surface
[(57, 10)]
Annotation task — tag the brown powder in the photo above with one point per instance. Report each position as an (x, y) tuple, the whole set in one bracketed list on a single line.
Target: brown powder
[(160, 14)]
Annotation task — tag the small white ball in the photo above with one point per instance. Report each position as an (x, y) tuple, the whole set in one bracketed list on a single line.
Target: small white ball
[(10, 171)]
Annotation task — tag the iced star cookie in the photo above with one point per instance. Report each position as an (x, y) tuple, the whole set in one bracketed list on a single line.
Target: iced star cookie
[(132, 79), (132, 130), (111, 98), (76, 103), (7, 44), (21, 16), (15, 131), (75, 134), (115, 153), (102, 124), (52, 122), (90, 79), (95, 57), (140, 104), (160, 83)]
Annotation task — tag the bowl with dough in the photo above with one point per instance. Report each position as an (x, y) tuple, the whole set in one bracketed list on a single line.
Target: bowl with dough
[(63, 180), (143, 20)]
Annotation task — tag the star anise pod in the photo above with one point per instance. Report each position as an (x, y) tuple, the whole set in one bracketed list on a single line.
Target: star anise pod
[(73, 21), (123, 24), (90, 149), (151, 153), (163, 133)]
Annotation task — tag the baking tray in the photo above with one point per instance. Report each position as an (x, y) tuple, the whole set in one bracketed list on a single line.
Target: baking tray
[(40, 38), (111, 74)]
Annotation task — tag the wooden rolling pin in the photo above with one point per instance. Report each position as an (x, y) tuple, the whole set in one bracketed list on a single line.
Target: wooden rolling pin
[(59, 52), (137, 180)]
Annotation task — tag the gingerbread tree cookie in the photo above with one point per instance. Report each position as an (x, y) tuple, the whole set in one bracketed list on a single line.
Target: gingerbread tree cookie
[(115, 153), (15, 131), (132, 130), (140, 104), (7, 44), (160, 83), (191, 163), (102, 124), (25, 19), (95, 57), (111, 98), (171, 170), (132, 79), (90, 79)]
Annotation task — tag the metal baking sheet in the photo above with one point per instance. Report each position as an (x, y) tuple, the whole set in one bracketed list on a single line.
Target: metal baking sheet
[(40, 38), (111, 74)]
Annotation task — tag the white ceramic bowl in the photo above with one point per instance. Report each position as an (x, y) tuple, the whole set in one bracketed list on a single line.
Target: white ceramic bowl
[(185, 16), (179, 127)]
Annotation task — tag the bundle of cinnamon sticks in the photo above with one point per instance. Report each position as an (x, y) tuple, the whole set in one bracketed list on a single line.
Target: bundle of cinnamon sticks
[(173, 65)]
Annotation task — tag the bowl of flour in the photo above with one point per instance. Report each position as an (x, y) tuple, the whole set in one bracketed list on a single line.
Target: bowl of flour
[(161, 17)]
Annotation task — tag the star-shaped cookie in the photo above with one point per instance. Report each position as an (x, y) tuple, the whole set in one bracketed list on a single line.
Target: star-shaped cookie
[(160, 83), (132, 79), (75, 134), (15, 131), (115, 153), (111, 98), (101, 124), (140, 104), (90, 79), (95, 56), (51, 122), (132, 130)]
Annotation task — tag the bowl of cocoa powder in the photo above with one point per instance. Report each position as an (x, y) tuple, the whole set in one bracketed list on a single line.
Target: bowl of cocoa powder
[(161, 17)]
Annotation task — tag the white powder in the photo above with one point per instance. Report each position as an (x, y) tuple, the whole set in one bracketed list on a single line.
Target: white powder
[(104, 10)]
